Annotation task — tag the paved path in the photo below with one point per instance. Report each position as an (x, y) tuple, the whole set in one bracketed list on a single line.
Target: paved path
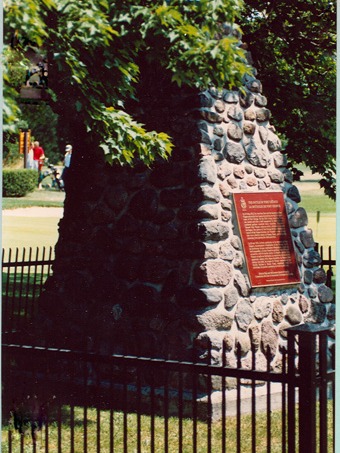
[(34, 212)]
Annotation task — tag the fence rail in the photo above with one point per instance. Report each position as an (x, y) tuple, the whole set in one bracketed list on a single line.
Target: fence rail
[(66, 400), (24, 273)]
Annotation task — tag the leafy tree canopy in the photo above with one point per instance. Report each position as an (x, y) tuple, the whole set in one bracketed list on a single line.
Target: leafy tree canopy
[(93, 49), (293, 44)]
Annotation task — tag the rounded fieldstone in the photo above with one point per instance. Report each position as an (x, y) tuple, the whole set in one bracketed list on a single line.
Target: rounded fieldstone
[(234, 132), (241, 282), (317, 314), (218, 144), (279, 159), (232, 182), (284, 298), (283, 329), (260, 173), (250, 114), (144, 204), (312, 293), (215, 320), (210, 250), (257, 156), (226, 204), (219, 106), (260, 101), (208, 211), (224, 169), (224, 188), (215, 272), (325, 294), (269, 339), (277, 313), (246, 99), (319, 276), (219, 131), (294, 194), (231, 297), (242, 343), (289, 177), (254, 86), (276, 177), (207, 170), (303, 304), (311, 258), (262, 308), (210, 116), (238, 260), (234, 152), (251, 181), (263, 115), (306, 237), (308, 277), (213, 295), (293, 315), (231, 97), (213, 230), (235, 113), (229, 342), (116, 197), (244, 314), (235, 241), (255, 336), (263, 132), (226, 252), (273, 142), (239, 172), (249, 128), (299, 218), (205, 99)]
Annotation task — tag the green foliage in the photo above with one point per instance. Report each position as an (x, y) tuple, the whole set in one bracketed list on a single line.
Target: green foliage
[(94, 48), (18, 183), (42, 121), (293, 45), (10, 154)]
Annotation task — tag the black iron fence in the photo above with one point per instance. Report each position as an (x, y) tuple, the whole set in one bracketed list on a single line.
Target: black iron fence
[(24, 273), (60, 400)]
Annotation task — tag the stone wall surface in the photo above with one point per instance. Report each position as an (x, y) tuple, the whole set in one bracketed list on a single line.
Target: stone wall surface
[(153, 262)]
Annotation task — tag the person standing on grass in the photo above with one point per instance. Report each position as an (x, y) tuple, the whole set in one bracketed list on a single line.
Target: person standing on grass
[(67, 163), (38, 160), (38, 155)]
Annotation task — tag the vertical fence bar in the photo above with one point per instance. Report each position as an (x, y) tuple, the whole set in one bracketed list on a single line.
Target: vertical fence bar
[(284, 408), (253, 404), (27, 288), (194, 407), (209, 390), (269, 410), (323, 392), (180, 412), (238, 403), (139, 396), (224, 405), (291, 391), (166, 413), (152, 418), (18, 304)]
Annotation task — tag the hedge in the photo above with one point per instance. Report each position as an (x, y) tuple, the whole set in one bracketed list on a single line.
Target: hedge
[(18, 183)]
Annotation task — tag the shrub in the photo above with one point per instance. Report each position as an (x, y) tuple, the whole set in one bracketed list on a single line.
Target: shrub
[(18, 183)]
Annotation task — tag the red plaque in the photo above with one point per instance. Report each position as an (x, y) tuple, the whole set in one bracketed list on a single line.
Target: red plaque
[(266, 238)]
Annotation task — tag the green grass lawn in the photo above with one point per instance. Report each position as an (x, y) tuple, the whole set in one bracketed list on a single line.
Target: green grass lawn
[(187, 428)]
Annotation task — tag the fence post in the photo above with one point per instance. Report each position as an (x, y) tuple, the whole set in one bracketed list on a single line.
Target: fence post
[(308, 373)]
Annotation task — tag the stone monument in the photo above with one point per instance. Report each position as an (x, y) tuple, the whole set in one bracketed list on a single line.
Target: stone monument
[(211, 246)]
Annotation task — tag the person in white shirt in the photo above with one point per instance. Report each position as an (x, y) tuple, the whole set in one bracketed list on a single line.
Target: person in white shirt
[(67, 163)]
